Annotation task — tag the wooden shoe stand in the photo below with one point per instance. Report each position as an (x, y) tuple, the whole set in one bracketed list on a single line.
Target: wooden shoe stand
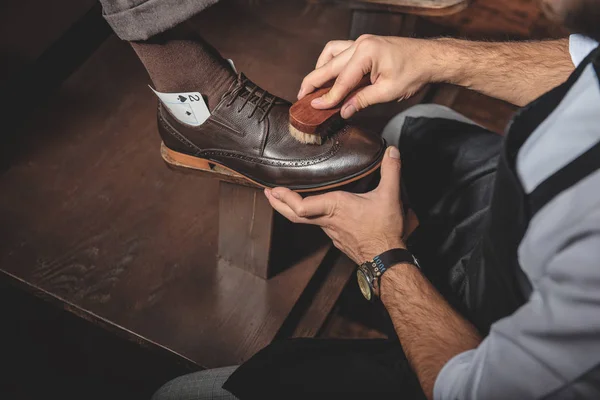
[(252, 236)]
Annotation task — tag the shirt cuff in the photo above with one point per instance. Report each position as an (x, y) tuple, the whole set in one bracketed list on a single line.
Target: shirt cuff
[(579, 47), (451, 382)]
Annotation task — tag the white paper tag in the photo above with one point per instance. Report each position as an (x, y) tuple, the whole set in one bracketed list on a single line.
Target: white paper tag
[(232, 65), (188, 108)]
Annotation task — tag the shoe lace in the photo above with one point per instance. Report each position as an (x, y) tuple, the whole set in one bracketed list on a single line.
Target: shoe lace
[(252, 94)]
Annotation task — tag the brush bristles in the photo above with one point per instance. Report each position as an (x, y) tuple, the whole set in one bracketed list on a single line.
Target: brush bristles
[(306, 138)]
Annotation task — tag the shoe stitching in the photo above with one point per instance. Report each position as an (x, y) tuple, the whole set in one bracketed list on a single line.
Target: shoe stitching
[(272, 162), (297, 162), (185, 141)]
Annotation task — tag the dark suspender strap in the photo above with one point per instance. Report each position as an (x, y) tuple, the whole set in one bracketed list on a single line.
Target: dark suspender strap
[(584, 165), (530, 117), (570, 175)]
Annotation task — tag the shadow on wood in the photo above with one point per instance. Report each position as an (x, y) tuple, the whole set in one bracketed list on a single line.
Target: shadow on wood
[(53, 353)]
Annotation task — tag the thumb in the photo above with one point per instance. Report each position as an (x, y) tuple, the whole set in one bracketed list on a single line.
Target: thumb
[(390, 174)]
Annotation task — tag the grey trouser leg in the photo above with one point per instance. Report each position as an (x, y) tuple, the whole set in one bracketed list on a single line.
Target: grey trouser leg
[(141, 19), (203, 385), (393, 129)]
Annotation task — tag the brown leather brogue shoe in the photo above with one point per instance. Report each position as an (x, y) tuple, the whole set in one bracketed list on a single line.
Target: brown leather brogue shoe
[(248, 133)]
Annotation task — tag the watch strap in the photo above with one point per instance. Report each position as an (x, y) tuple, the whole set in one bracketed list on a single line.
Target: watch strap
[(392, 257)]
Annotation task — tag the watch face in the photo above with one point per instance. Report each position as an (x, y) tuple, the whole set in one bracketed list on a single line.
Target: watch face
[(364, 285)]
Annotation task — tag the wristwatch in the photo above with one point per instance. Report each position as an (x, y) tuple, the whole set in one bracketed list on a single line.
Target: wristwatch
[(369, 273)]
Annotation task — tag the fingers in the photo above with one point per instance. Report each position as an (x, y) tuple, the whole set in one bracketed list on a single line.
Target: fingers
[(308, 210), (365, 97), (347, 80), (283, 208), (389, 185), (309, 207), (331, 50), (325, 73)]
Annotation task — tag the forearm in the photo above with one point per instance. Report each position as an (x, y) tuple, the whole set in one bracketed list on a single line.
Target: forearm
[(517, 72), (430, 331)]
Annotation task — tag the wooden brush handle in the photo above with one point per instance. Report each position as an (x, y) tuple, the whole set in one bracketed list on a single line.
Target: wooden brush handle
[(307, 119)]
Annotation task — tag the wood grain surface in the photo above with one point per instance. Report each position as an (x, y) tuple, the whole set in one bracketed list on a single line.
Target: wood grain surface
[(376, 23), (414, 7), (425, 4), (502, 20), (91, 214), (342, 271), (30, 27), (245, 229), (57, 352), (89, 211)]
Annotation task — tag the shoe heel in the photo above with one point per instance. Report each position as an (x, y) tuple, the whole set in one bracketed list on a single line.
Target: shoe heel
[(175, 159)]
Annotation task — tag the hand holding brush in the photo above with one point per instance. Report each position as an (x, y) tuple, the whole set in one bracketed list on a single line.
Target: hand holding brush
[(310, 125), (368, 71)]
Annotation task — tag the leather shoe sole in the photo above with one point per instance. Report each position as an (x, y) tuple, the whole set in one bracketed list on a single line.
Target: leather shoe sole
[(180, 160)]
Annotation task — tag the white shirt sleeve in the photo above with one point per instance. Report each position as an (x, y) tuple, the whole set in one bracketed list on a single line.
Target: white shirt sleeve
[(579, 47)]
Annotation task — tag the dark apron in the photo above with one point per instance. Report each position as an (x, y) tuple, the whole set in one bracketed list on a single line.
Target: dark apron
[(493, 286)]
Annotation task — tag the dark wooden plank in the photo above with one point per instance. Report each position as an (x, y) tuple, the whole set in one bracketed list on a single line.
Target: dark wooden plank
[(30, 27), (491, 113), (375, 23), (253, 237), (414, 7), (91, 214), (53, 353), (445, 94), (315, 316), (499, 20), (245, 228), (488, 112), (20, 287), (545, 28), (354, 317), (27, 89)]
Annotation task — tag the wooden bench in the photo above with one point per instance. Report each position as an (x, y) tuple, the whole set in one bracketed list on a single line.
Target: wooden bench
[(414, 7), (393, 17)]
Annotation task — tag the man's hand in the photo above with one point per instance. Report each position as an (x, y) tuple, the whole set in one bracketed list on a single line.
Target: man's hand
[(517, 72), (398, 68), (361, 225), (366, 225)]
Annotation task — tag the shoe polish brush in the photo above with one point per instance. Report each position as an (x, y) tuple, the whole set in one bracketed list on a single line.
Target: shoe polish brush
[(311, 126)]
